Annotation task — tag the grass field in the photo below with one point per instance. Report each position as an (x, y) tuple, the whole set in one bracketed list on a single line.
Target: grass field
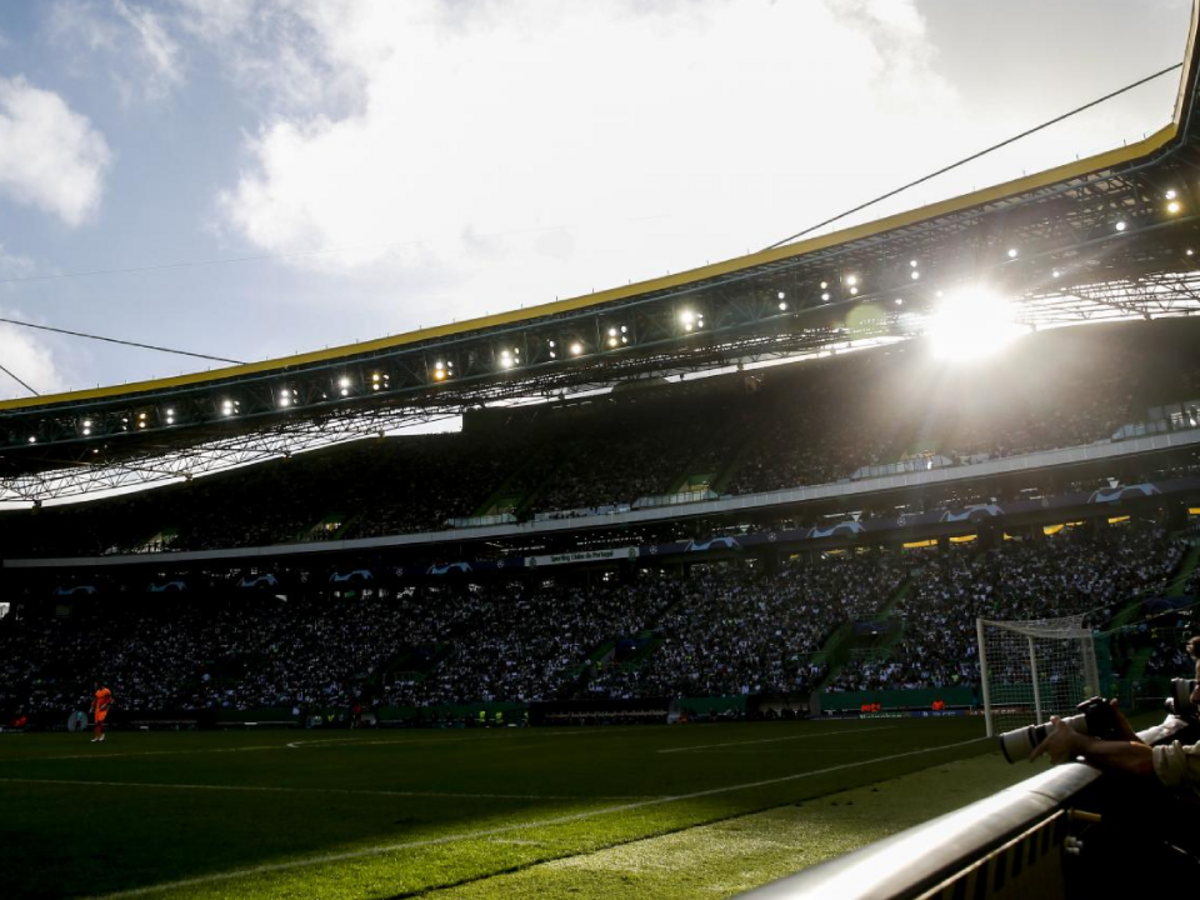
[(623, 811)]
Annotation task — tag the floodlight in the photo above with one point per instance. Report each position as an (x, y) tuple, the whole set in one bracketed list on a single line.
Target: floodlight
[(825, 297), (141, 415), (853, 292), (87, 423), (1012, 252), (170, 420), (1173, 207), (1056, 273), (32, 439), (374, 376), (915, 275), (782, 307), (972, 324), (439, 365), (824, 284), (576, 348), (86, 432), (612, 332), (687, 317), (1171, 195), (851, 280), (781, 295), (912, 263), (439, 375), (552, 345), (899, 302), (623, 329), (1189, 251), (612, 342), (1121, 226)]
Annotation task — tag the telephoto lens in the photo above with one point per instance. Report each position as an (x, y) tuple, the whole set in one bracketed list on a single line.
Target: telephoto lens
[(1095, 718)]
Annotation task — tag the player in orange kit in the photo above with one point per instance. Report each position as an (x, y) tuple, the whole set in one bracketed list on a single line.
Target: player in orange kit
[(100, 706)]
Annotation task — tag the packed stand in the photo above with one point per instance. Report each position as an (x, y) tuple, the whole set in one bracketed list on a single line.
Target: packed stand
[(1062, 575)]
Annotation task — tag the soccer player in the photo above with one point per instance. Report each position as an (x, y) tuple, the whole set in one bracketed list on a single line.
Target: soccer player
[(100, 707)]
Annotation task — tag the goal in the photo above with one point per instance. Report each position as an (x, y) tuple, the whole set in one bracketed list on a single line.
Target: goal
[(1034, 669)]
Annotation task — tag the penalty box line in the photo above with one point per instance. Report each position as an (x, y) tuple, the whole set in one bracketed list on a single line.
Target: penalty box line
[(509, 829), (794, 737)]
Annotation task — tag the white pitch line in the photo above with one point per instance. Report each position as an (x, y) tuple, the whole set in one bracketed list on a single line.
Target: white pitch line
[(507, 829), (296, 745), (794, 737), (295, 790)]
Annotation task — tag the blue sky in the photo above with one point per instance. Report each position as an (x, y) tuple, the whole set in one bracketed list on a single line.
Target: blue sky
[(391, 165)]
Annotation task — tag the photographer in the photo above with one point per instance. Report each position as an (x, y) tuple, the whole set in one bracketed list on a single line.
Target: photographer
[(1176, 766)]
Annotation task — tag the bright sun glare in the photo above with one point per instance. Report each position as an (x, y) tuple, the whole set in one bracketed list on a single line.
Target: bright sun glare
[(972, 324)]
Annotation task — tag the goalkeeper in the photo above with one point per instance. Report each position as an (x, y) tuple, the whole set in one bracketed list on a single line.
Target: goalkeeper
[(1177, 766)]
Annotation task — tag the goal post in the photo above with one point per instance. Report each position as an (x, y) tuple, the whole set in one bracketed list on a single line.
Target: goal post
[(1034, 669)]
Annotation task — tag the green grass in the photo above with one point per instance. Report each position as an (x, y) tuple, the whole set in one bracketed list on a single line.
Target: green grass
[(478, 813)]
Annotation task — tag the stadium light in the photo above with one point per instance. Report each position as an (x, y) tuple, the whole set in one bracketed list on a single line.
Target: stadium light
[(915, 275), (1121, 226), (1171, 195), (687, 317), (853, 292), (972, 324), (824, 284), (912, 263), (344, 384), (1012, 252), (781, 295), (576, 348), (899, 302), (1174, 207), (852, 280), (825, 297), (1056, 273), (783, 306)]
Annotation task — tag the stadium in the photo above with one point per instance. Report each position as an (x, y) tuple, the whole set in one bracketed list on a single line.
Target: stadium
[(716, 577)]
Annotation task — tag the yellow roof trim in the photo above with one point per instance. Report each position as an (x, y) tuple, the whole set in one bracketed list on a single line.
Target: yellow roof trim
[(1097, 163)]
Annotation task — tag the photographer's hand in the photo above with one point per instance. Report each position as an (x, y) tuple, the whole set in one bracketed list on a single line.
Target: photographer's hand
[(1124, 729), (1062, 744)]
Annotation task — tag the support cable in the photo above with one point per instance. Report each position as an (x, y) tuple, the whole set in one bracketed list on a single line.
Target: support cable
[(974, 156), (110, 340), (9, 373)]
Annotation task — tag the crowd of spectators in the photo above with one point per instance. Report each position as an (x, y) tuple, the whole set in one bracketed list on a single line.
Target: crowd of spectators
[(738, 627), (1066, 574)]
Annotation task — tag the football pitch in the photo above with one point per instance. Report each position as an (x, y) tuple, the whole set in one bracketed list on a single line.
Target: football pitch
[(637, 811)]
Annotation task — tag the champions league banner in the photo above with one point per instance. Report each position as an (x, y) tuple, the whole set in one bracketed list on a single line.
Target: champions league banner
[(973, 514)]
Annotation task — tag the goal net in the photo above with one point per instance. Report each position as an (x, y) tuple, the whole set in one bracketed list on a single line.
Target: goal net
[(1034, 669)]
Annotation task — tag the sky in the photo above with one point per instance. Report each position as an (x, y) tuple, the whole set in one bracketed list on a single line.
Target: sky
[(254, 179)]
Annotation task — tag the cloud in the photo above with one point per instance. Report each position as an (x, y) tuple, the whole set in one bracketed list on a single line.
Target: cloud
[(51, 158), (144, 59), (35, 358), (588, 143)]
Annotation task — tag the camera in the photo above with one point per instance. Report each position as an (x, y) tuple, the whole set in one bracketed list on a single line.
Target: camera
[(1094, 717), (1179, 698)]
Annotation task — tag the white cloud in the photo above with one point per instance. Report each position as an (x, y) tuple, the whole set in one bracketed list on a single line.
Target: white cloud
[(50, 156), (26, 357), (518, 151), (143, 58)]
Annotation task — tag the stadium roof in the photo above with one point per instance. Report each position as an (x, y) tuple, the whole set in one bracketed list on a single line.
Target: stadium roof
[(1108, 236)]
